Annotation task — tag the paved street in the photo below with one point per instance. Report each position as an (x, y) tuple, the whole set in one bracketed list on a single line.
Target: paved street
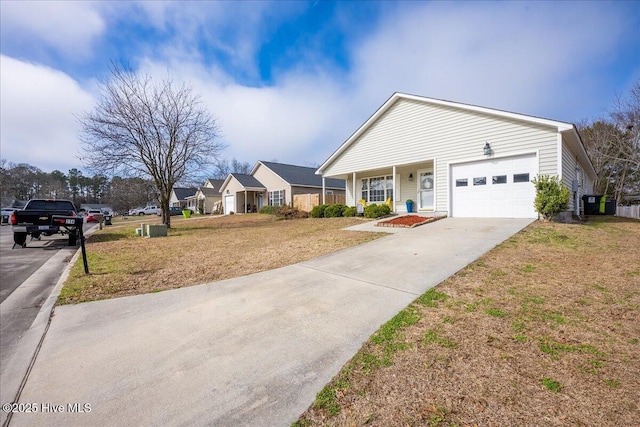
[(28, 277)]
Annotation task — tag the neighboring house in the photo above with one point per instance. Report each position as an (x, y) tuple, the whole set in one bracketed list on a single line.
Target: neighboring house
[(206, 197), (273, 184), (458, 159), (179, 196)]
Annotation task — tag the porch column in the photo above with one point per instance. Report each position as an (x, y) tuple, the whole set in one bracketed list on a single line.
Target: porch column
[(355, 202), (324, 192), (245, 200), (393, 197)]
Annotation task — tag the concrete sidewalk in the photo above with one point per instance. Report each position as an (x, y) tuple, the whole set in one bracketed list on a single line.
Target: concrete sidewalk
[(252, 350)]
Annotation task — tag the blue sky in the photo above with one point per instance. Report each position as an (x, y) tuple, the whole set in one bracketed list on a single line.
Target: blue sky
[(291, 81)]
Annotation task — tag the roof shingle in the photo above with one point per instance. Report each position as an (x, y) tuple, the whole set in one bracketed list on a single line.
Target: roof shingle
[(303, 176)]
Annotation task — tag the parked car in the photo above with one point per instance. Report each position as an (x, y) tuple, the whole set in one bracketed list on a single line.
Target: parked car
[(93, 215), (147, 210), (173, 210), (6, 213)]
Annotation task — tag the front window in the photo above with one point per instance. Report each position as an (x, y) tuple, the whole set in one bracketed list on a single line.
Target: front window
[(276, 198), (377, 189)]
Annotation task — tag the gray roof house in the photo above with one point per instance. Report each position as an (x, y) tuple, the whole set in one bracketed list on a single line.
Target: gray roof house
[(207, 198), (179, 196), (274, 184)]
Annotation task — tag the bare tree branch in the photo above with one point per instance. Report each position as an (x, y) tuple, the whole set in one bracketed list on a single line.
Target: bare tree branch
[(143, 128)]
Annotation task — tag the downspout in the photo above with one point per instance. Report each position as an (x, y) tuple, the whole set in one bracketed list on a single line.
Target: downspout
[(245, 200)]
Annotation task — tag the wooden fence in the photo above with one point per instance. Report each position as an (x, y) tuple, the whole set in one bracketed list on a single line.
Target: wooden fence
[(306, 202), (628, 211)]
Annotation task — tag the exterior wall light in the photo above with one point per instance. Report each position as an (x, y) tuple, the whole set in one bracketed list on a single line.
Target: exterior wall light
[(487, 149), (410, 177)]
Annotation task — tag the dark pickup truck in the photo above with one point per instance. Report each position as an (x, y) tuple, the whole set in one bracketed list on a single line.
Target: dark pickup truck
[(46, 217)]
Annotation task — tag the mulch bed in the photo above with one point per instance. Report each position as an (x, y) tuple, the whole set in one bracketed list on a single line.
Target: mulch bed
[(406, 221)]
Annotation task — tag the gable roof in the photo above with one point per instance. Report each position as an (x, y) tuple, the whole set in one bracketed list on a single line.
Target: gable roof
[(301, 176), (182, 193), (216, 184), (249, 182), (567, 129), (208, 191)]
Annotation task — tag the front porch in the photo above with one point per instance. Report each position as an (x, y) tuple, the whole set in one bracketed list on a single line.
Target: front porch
[(248, 201), (395, 185)]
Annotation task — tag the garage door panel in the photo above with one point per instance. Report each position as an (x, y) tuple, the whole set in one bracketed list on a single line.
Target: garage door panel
[(229, 204), (501, 196)]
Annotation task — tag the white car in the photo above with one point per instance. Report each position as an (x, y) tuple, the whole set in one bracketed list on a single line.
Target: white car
[(6, 213), (148, 210)]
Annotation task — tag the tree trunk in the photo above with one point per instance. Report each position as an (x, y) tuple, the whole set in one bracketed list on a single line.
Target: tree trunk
[(166, 215)]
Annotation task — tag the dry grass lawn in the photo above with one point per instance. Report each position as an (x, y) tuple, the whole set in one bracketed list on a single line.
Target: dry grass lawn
[(542, 331), (200, 250)]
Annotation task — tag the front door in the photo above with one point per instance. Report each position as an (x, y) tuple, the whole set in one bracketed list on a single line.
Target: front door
[(425, 190)]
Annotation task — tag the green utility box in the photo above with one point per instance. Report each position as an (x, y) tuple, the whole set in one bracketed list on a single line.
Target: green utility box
[(159, 230)]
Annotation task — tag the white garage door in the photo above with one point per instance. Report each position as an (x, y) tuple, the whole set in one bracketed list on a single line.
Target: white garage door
[(494, 188), (229, 204)]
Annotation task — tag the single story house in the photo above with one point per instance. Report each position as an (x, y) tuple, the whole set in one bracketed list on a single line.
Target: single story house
[(179, 196), (206, 197), (457, 159), (273, 184)]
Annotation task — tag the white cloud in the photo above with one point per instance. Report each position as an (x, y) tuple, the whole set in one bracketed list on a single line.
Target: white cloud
[(518, 56), (229, 33), (68, 27), (299, 120), (533, 58), (38, 104), (502, 55)]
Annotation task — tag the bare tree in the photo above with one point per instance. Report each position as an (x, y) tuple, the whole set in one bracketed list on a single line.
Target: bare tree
[(142, 128), (127, 193), (613, 144), (223, 168)]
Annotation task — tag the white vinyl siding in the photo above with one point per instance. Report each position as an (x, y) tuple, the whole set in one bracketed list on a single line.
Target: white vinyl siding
[(410, 132), (569, 164)]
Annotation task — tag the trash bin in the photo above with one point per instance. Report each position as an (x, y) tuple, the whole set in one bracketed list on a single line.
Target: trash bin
[(107, 220), (186, 213), (610, 207), (591, 204)]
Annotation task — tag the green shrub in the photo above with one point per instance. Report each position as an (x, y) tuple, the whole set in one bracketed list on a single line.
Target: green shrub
[(350, 211), (552, 196), (317, 211), (268, 210), (334, 211), (384, 209), (376, 211)]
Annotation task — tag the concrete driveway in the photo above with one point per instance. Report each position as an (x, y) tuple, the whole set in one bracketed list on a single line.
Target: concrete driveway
[(253, 350)]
